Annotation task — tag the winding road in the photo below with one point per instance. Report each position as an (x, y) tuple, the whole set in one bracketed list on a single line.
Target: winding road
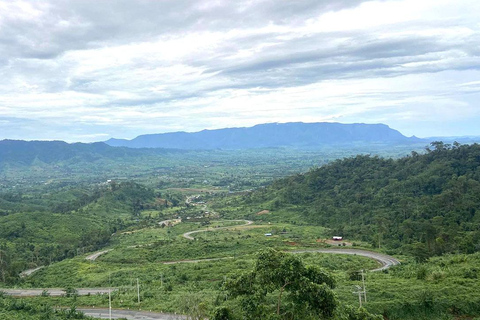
[(385, 260)]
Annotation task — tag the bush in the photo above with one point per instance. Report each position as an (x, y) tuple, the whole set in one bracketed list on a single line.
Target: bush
[(222, 313), (422, 272)]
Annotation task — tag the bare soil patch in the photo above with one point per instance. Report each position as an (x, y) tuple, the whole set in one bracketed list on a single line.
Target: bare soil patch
[(263, 212), (335, 243)]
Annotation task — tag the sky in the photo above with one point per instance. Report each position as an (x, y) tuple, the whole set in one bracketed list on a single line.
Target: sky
[(89, 70)]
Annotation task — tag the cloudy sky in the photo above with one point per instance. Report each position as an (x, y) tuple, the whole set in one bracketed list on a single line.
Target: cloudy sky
[(88, 70)]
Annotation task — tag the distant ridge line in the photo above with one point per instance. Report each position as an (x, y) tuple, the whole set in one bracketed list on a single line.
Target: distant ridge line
[(291, 134)]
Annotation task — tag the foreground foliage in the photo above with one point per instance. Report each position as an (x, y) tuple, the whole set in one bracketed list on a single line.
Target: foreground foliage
[(280, 286), (19, 309), (66, 224)]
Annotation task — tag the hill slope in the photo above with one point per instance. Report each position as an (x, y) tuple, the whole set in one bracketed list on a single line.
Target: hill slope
[(64, 223), (35, 162), (426, 204), (27, 152), (295, 134)]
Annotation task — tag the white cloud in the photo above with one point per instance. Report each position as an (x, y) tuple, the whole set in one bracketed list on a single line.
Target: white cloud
[(160, 66)]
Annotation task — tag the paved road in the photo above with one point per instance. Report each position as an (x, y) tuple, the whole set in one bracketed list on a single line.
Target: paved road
[(385, 260), (56, 292), (130, 314), (188, 235)]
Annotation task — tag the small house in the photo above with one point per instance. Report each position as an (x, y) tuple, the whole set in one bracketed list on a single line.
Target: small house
[(337, 238)]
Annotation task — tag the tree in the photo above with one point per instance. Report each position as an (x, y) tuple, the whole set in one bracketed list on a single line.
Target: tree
[(222, 313), (192, 306), (351, 313), (281, 287)]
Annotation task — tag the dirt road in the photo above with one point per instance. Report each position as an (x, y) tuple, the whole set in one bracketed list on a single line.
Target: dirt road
[(196, 261), (95, 255), (28, 272)]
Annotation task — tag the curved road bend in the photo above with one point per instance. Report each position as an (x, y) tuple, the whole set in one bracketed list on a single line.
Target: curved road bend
[(188, 235), (385, 260), (130, 314)]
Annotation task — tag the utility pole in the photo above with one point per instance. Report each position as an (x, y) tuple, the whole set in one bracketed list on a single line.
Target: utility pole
[(359, 292), (138, 291), (224, 282), (364, 289), (109, 304)]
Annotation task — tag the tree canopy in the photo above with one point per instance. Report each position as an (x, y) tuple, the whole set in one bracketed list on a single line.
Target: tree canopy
[(281, 287), (425, 204)]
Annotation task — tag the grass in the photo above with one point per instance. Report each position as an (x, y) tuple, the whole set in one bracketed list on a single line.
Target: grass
[(440, 289)]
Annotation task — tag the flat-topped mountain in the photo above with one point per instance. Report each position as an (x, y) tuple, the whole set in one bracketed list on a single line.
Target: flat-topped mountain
[(294, 134)]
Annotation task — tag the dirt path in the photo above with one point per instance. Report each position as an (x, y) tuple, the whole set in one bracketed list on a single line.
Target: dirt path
[(28, 272), (188, 235), (196, 261), (95, 255), (385, 260)]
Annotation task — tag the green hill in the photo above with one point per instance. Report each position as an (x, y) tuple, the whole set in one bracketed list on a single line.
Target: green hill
[(66, 223), (423, 204)]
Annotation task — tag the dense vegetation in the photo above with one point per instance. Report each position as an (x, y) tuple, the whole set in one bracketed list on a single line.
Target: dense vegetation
[(418, 207), (38, 166), (64, 224), (280, 286), (422, 204), (18, 309)]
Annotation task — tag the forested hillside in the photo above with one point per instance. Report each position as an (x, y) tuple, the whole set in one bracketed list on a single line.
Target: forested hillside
[(65, 223), (424, 204)]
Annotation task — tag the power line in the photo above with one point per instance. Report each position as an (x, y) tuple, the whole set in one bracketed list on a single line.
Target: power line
[(364, 288)]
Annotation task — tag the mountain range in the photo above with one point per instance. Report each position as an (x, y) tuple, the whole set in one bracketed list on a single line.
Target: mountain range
[(293, 134)]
